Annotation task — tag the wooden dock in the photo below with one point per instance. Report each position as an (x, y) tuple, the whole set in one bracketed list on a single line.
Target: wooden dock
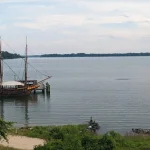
[(43, 88)]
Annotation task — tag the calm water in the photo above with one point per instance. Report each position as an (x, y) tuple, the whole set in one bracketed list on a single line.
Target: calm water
[(114, 91)]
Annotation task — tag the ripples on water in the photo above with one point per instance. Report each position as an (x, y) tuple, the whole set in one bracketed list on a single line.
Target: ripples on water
[(114, 91)]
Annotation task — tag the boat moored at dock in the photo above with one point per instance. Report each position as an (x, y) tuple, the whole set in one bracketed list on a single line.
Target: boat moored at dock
[(20, 87)]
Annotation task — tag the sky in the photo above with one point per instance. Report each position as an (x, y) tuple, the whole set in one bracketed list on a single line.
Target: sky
[(75, 26)]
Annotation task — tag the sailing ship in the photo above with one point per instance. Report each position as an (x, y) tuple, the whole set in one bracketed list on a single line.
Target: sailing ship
[(16, 88)]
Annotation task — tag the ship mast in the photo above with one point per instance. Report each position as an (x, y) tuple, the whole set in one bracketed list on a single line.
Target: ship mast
[(1, 63), (26, 61)]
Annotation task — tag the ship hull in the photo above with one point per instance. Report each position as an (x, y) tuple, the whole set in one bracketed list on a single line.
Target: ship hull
[(14, 92)]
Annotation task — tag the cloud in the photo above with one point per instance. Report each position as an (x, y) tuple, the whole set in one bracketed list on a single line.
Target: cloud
[(121, 25), (77, 25), (44, 22), (3, 27), (97, 13), (15, 1)]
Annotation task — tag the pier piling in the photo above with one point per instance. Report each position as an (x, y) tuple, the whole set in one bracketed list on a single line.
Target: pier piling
[(47, 88)]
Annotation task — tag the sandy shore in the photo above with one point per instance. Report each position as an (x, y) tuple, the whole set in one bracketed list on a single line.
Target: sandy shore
[(22, 142)]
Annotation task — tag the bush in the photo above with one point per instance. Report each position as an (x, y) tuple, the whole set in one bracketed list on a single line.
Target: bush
[(56, 133), (54, 145), (72, 142), (89, 142), (4, 128), (117, 138), (107, 143)]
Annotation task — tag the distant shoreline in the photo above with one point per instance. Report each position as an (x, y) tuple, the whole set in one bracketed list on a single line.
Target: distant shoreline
[(93, 55)]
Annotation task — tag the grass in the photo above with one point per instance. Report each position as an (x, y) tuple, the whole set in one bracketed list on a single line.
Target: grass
[(7, 148), (43, 132), (138, 142), (78, 132)]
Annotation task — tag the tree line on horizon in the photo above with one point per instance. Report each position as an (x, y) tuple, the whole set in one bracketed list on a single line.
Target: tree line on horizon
[(7, 55), (95, 55)]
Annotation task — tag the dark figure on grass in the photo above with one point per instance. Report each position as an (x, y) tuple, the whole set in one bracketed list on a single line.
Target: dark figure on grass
[(93, 126)]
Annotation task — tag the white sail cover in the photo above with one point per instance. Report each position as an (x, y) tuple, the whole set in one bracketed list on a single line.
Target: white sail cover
[(12, 83)]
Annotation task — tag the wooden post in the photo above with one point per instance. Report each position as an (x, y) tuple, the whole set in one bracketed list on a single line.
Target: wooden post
[(35, 91), (47, 88)]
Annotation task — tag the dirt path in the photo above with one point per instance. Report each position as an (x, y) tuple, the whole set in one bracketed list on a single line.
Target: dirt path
[(22, 142)]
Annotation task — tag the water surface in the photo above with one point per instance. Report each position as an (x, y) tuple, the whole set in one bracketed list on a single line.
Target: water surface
[(115, 91)]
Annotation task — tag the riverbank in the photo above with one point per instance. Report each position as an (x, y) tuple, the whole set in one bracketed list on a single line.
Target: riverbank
[(7, 148), (93, 55), (75, 137), (22, 142)]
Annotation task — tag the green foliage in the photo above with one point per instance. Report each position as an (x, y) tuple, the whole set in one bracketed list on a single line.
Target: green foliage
[(137, 142), (34, 132), (117, 138), (56, 145), (95, 55), (7, 148), (72, 142), (49, 132), (4, 128), (77, 137), (107, 143), (7, 55), (53, 145), (89, 142), (56, 133)]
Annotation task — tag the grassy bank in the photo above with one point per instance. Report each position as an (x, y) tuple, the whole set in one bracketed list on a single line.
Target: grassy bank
[(7, 148), (77, 137)]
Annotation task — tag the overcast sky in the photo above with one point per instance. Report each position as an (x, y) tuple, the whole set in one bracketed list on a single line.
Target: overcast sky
[(73, 26)]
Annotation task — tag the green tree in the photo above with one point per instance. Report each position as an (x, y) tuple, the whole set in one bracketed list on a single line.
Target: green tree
[(4, 128), (7, 55)]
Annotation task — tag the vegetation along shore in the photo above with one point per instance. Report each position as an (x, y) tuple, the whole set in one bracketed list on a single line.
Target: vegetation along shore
[(94, 55), (76, 137), (7, 55)]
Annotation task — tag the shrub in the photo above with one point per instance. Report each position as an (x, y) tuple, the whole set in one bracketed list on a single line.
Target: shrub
[(72, 142), (53, 145), (4, 128), (56, 133), (117, 138), (107, 143), (89, 142)]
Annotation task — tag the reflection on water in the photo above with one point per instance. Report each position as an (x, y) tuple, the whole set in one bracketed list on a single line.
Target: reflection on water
[(19, 109), (114, 91)]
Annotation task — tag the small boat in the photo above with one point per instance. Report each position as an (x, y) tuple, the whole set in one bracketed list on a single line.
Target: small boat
[(16, 88)]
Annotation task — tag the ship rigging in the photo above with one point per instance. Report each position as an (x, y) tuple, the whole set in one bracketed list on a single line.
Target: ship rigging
[(21, 87)]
